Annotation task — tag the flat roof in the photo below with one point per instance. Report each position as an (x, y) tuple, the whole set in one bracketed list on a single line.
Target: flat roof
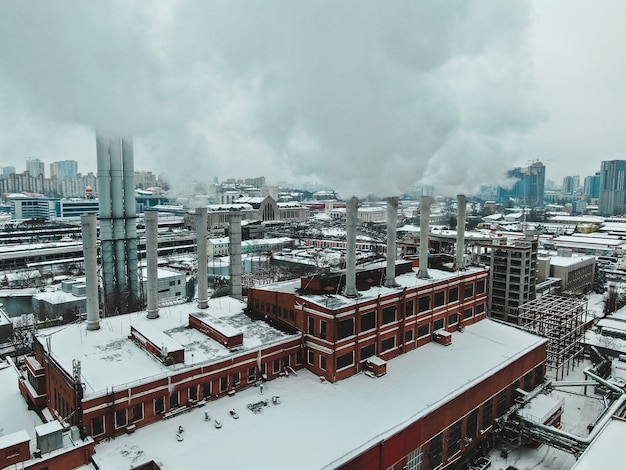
[(110, 359), (566, 261), (607, 449), (360, 409)]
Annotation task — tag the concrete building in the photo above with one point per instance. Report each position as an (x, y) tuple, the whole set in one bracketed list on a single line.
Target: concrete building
[(35, 167), (64, 169), (528, 187), (612, 199), (575, 272), (171, 284)]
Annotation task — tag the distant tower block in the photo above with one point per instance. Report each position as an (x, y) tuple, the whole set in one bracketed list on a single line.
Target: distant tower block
[(118, 235), (90, 252), (152, 230), (392, 224), (235, 255), (352, 208), (201, 232)]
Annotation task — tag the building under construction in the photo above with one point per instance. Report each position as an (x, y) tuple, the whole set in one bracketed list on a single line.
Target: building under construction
[(560, 320)]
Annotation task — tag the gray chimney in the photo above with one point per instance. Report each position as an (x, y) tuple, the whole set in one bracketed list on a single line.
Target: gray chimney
[(461, 202), (352, 208), (152, 265), (392, 224), (203, 281), (424, 222), (89, 227), (235, 255)]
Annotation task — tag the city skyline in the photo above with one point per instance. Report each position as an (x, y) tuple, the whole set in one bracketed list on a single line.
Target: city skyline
[(509, 86)]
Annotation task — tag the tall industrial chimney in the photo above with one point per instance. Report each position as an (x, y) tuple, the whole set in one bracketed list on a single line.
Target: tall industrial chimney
[(89, 228), (152, 265), (235, 254), (352, 208), (392, 224), (461, 202), (424, 222), (201, 232)]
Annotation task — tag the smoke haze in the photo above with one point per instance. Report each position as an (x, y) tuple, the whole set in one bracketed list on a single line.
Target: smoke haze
[(365, 96)]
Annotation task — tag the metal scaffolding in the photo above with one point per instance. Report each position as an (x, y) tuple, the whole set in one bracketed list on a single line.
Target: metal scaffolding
[(560, 320)]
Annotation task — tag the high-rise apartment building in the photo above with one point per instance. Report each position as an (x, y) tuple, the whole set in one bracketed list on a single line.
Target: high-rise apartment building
[(592, 186), (529, 185), (571, 184), (35, 167), (8, 170), (613, 187), (63, 169)]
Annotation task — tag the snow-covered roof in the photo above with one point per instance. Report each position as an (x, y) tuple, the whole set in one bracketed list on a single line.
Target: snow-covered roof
[(309, 409), (110, 358), (541, 408), (57, 296), (566, 261), (607, 450)]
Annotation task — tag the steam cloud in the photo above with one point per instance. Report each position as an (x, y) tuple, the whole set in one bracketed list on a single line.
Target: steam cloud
[(367, 96)]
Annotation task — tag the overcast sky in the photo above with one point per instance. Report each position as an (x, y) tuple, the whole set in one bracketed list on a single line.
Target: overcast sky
[(365, 96)]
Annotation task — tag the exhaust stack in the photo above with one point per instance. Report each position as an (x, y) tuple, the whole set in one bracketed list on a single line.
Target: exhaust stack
[(152, 283), (89, 227), (203, 281), (392, 224), (461, 202), (424, 222), (352, 208), (235, 255)]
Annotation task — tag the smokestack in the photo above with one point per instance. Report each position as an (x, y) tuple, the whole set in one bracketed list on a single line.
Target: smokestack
[(130, 220), (392, 223), (352, 207), (461, 202), (106, 221), (90, 253), (235, 254), (424, 222), (201, 232), (152, 266)]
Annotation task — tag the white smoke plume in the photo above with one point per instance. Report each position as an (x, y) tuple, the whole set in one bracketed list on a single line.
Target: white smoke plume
[(366, 96)]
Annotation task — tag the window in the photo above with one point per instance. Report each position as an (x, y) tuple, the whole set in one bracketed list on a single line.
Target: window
[(414, 460), (452, 319), (173, 400), (310, 358), (480, 308), (387, 344), (435, 450), (368, 351), (193, 393), (286, 361), (440, 298), (137, 412), (438, 324), (480, 287), (487, 414), (501, 404), (454, 294), (276, 366), (345, 328), (223, 384), (323, 329), (236, 379), (423, 304), (454, 438), (472, 424), (120, 418), (389, 314), (345, 360), (423, 330), (322, 362), (206, 390), (468, 291), (528, 381), (292, 315), (159, 405), (298, 357), (251, 374), (538, 374), (97, 426), (311, 326), (368, 321), (408, 336), (467, 313), (409, 308)]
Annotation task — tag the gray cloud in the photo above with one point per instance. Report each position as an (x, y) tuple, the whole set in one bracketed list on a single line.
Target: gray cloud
[(366, 96)]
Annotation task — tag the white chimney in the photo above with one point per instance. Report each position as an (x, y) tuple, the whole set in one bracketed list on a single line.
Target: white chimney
[(152, 265), (89, 228), (352, 207), (235, 254), (424, 222), (461, 202), (201, 232), (392, 224)]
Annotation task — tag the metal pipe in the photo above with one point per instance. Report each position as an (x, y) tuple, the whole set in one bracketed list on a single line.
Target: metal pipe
[(352, 207), (201, 246), (424, 223), (152, 265), (90, 254), (235, 254), (104, 208), (392, 223), (461, 202)]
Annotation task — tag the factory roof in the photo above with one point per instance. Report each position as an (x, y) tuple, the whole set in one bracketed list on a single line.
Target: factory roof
[(566, 261), (110, 359), (607, 449), (307, 408)]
